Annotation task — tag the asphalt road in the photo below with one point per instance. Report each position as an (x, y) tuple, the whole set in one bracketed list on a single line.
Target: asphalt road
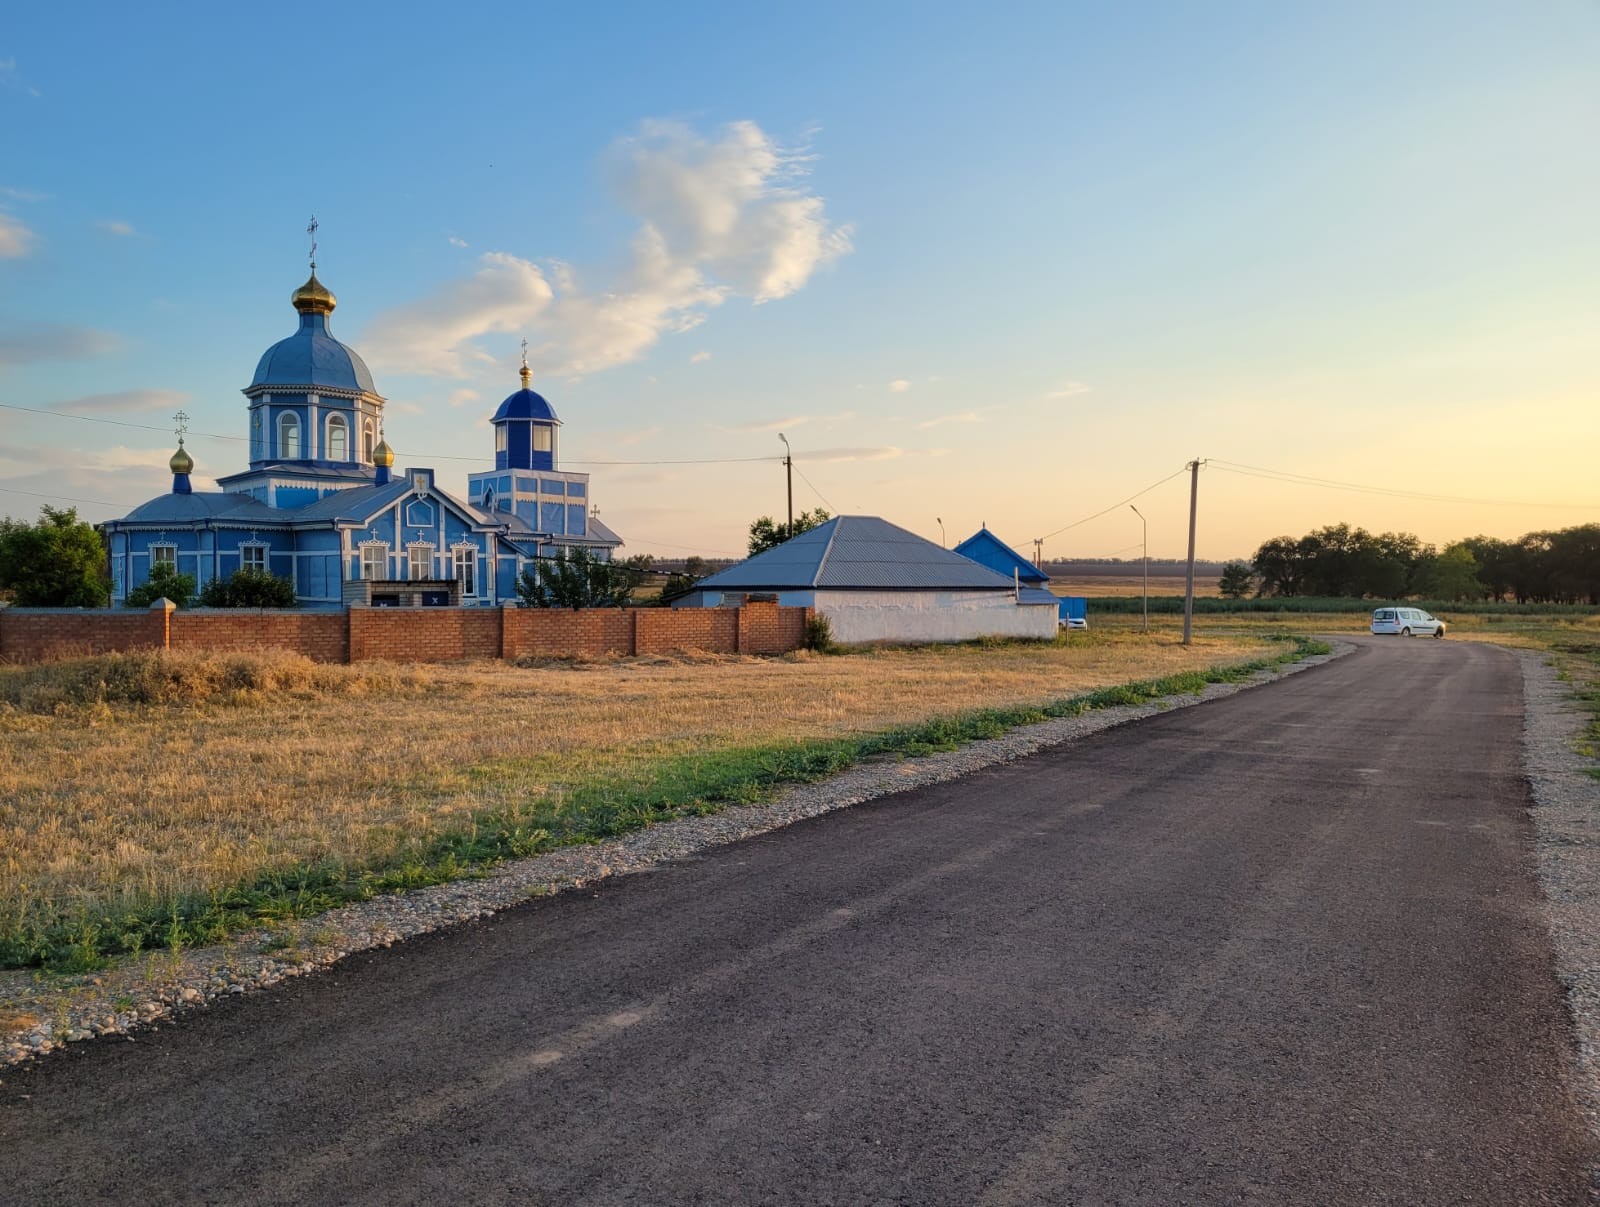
[(1283, 948)]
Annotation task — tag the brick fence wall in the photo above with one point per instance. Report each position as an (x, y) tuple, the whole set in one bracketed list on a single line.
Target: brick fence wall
[(359, 634)]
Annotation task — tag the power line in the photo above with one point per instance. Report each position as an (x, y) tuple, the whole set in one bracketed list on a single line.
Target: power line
[(149, 427), (1114, 506), (1278, 475), (814, 489), (33, 494)]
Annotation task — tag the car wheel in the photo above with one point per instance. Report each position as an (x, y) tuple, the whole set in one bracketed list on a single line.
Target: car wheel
[(1439, 632), (1405, 632)]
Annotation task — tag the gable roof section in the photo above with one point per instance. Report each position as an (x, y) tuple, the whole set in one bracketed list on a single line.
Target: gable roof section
[(860, 552), (989, 550), (208, 505)]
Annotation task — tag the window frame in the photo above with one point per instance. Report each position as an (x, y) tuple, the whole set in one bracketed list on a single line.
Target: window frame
[(163, 547), (374, 555), (464, 558), (252, 550), (336, 423), (411, 563), (288, 433)]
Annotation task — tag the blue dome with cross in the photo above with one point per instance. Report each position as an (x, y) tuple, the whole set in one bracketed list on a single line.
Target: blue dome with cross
[(311, 359)]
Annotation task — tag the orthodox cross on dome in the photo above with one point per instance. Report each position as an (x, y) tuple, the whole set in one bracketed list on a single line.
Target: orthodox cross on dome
[(311, 229), (527, 373), (181, 420)]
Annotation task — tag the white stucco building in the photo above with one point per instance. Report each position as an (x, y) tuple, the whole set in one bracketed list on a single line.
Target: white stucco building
[(875, 581)]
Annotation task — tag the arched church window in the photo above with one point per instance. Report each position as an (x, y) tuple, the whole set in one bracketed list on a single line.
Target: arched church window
[(366, 442), (488, 498), (338, 439), (288, 436)]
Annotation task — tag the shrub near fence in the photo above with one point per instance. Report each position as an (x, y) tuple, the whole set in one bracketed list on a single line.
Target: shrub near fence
[(361, 634)]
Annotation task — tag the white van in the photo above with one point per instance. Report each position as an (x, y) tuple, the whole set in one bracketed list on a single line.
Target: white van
[(1407, 622)]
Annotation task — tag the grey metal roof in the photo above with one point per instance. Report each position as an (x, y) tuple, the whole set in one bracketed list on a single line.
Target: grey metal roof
[(860, 552), (206, 505)]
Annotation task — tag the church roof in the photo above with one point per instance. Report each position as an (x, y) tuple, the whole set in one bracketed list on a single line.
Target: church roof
[(526, 404), (208, 505), (862, 552), (989, 550), (311, 358)]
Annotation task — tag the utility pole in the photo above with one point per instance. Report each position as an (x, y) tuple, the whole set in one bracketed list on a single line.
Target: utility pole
[(788, 473), (1144, 540), (1038, 553), (1188, 590), (940, 522)]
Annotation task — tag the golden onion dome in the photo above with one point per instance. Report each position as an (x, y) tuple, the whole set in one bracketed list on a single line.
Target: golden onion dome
[(182, 462), (383, 455), (314, 297)]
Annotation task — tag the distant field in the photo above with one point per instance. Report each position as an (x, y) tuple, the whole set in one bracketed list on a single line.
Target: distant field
[(1101, 585)]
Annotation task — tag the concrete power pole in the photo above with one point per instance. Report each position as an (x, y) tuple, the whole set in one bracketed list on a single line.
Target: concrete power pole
[(788, 475), (1188, 590)]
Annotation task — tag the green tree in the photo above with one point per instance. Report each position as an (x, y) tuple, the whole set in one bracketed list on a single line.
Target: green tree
[(58, 562), (1451, 575), (248, 588), (1237, 580), (766, 533), (1281, 566), (164, 583), (574, 578)]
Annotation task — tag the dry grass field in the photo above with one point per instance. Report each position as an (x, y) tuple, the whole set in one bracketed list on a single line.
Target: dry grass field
[(226, 768)]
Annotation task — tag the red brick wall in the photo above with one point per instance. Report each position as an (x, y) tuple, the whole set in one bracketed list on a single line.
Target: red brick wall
[(29, 635), (424, 634), (320, 636), (765, 628), (657, 630), (405, 634)]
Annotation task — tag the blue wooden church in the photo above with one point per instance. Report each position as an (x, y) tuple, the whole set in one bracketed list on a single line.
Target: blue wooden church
[(322, 505)]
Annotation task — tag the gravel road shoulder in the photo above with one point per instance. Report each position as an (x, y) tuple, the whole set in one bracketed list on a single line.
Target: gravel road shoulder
[(39, 1013), (1566, 816)]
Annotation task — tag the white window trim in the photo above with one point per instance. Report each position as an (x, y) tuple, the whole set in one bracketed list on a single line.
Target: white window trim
[(252, 546), (336, 420), (472, 552), (288, 422), (369, 444), (151, 551), (411, 550), (382, 549)]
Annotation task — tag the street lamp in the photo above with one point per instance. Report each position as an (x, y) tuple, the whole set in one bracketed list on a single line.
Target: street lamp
[(788, 467), (940, 522), (1144, 542)]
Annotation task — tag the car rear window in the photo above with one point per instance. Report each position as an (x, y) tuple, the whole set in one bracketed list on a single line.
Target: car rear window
[(1383, 614)]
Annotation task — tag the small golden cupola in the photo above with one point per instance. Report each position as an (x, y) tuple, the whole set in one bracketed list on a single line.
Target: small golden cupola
[(182, 465), (314, 297), (383, 460)]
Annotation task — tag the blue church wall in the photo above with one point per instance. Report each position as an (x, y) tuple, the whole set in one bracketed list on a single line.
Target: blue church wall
[(295, 496), (576, 520), (553, 518)]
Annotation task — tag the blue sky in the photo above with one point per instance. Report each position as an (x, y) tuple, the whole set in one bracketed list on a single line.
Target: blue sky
[(1001, 263)]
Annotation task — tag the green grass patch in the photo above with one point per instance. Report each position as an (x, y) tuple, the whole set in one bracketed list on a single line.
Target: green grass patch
[(40, 935)]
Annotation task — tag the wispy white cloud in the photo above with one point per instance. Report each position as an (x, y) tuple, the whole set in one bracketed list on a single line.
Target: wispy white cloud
[(899, 386), (762, 425), (435, 335), (457, 241), (122, 402), (10, 78), (638, 435), (959, 417), (699, 358), (719, 216), (460, 398), (54, 342), (22, 195), (881, 453), (1069, 390), (123, 230), (15, 238)]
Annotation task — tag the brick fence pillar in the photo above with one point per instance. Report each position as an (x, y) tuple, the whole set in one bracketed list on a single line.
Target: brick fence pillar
[(161, 623), (355, 632)]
